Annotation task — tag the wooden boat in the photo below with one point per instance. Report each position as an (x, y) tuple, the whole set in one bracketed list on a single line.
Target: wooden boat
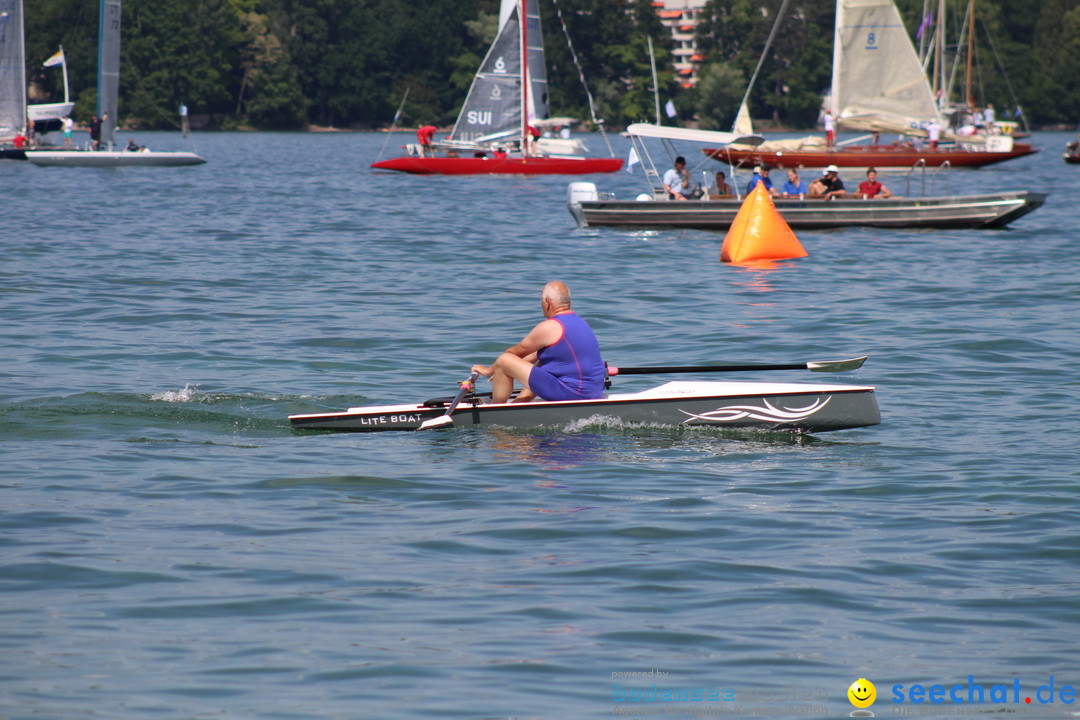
[(892, 155), (796, 407), (492, 135), (878, 86), (1072, 152), (992, 210)]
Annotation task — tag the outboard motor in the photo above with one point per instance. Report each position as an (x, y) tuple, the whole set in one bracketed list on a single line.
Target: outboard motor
[(577, 193)]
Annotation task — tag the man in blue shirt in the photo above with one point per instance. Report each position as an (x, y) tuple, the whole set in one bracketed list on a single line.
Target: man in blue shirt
[(761, 175), (558, 360)]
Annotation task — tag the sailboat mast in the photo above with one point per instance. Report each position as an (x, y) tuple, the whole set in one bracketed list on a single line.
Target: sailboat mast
[(63, 66), (108, 70), (655, 85), (970, 53), (12, 70), (838, 42), (524, 78)]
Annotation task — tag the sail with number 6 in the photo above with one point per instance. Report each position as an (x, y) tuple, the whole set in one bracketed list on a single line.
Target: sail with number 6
[(493, 106)]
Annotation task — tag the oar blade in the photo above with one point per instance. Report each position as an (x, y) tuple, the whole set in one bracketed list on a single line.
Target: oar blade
[(440, 422), (836, 365)]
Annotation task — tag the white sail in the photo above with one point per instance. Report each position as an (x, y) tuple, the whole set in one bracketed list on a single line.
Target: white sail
[(109, 70), (12, 70), (743, 124), (537, 65), (493, 106), (878, 82)]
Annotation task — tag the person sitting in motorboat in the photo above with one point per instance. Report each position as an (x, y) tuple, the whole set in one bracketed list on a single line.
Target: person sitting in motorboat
[(870, 187), (677, 180), (829, 186), (132, 147), (558, 360), (723, 189), (761, 175), (794, 187)]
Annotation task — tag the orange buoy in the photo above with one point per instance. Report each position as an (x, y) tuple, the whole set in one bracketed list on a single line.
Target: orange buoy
[(759, 233)]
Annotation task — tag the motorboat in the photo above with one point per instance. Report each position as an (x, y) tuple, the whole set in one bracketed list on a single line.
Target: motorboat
[(591, 207)]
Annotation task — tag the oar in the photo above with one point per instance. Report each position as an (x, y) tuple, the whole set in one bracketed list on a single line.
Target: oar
[(815, 366), (446, 419)]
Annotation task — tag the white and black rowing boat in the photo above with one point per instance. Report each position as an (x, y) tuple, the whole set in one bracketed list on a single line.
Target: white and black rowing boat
[(798, 407)]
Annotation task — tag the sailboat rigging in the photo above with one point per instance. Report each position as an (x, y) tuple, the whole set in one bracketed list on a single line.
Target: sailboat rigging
[(878, 85), (494, 132), (108, 106)]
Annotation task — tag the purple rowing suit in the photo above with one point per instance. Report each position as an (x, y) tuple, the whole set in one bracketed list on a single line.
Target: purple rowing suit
[(571, 368)]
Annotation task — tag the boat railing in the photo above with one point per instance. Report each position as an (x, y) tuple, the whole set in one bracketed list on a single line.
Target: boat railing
[(945, 166)]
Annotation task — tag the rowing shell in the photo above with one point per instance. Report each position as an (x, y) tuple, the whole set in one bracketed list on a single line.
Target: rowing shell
[(798, 407)]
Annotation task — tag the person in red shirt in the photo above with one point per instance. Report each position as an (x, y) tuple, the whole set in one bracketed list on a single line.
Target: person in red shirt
[(424, 135), (870, 187)]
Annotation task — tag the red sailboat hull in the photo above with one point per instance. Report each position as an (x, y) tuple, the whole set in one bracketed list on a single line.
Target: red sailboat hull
[(500, 166), (862, 156)]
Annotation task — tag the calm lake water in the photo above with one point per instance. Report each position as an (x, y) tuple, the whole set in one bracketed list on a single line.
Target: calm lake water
[(172, 549)]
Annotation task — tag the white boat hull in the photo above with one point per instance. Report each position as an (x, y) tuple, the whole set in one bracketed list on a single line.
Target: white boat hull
[(110, 158), (797, 407)]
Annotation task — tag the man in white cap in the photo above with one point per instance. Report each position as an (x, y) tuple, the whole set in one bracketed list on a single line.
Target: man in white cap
[(830, 185)]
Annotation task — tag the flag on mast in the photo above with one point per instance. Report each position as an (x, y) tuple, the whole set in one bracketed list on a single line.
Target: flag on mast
[(57, 59)]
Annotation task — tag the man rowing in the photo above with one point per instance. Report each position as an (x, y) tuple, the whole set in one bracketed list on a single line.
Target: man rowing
[(558, 360)]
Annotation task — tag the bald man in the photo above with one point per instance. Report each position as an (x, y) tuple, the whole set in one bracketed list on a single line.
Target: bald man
[(558, 360)]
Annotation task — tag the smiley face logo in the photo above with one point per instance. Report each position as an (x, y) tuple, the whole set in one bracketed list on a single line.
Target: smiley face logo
[(862, 693)]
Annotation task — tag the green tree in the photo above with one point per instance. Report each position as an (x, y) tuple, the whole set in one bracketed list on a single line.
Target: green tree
[(720, 89)]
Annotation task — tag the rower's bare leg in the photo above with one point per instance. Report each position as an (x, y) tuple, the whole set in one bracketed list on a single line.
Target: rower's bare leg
[(508, 368)]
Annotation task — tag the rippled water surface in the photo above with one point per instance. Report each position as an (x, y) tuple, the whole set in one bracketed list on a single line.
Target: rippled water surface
[(170, 548)]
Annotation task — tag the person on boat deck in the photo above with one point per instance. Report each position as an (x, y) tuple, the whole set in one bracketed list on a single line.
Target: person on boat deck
[(424, 136), (531, 136), (132, 147), (558, 360), (830, 186), (871, 188), (794, 187), (68, 125), (761, 175), (677, 180), (722, 187), (95, 131), (934, 131), (830, 131)]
